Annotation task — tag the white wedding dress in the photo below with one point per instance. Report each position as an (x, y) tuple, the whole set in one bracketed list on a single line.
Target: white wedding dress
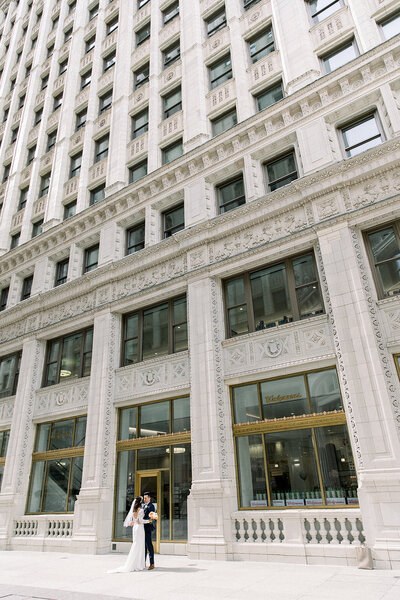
[(136, 558)]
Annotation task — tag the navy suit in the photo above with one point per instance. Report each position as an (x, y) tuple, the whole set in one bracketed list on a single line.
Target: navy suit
[(148, 530)]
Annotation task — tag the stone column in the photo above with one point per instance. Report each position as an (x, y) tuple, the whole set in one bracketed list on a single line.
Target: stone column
[(94, 505), (18, 461), (213, 494), (369, 389)]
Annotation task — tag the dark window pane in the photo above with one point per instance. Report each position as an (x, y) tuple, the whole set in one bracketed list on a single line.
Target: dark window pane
[(36, 485), (221, 72), (80, 431), (231, 195), (284, 397), (135, 239), (386, 252), (61, 434), (281, 172), (71, 357), (153, 458), (56, 485), (155, 331), (127, 423), (245, 403), (251, 471), (181, 412), (174, 221), (75, 481), (224, 122), (269, 97), (216, 22), (154, 419), (124, 493), (324, 391), (321, 9), (182, 479), (262, 45), (270, 294)]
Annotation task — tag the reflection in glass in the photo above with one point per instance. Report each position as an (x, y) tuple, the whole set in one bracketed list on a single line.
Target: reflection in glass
[(125, 492), (237, 309), (269, 97), (35, 492), (182, 478), (75, 482), (127, 423), (337, 465), (245, 403), (80, 431), (292, 468), (309, 299), (1, 475), (340, 57), (181, 412), (251, 471), (4, 439), (361, 136), (163, 510), (271, 302), (324, 391), (70, 358), (56, 485), (284, 397), (154, 419), (155, 331), (385, 249), (180, 325), (281, 171), (153, 458), (61, 434)]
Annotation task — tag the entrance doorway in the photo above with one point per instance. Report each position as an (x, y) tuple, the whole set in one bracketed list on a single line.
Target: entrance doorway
[(149, 481)]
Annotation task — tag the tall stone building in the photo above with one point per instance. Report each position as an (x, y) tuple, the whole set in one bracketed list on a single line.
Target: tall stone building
[(199, 276)]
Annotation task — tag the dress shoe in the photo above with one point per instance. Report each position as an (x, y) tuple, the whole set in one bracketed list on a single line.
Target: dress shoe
[(150, 567)]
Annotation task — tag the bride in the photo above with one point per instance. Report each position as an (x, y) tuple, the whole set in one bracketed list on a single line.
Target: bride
[(136, 557)]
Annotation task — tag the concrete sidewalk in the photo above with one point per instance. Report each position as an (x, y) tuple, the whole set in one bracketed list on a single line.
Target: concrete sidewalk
[(61, 576)]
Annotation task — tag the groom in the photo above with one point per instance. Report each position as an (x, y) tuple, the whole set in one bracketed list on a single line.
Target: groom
[(148, 529)]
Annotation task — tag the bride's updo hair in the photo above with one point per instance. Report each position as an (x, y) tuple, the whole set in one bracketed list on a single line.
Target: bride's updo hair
[(138, 503)]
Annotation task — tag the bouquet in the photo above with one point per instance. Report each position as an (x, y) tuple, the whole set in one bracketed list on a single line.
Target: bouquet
[(153, 516)]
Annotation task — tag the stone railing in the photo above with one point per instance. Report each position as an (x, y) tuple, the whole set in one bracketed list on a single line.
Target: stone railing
[(44, 527)]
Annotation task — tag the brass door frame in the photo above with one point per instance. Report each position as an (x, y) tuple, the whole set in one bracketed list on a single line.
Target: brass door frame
[(152, 473)]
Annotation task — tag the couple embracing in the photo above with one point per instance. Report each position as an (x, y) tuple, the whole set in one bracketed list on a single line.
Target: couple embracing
[(140, 519)]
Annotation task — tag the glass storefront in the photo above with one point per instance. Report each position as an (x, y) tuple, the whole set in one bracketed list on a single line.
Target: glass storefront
[(292, 445), (57, 465), (154, 454)]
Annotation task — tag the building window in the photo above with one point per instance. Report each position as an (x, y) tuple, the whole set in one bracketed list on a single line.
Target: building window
[(224, 122), (135, 238), (137, 171), (142, 3), (26, 287), (105, 101), (101, 148), (28, 70), (281, 171), (57, 465), (68, 357), (340, 56), (216, 22), (155, 331), (57, 102), (23, 197), (249, 3), (38, 116), (9, 372), (93, 12), (172, 102), (320, 9), (70, 210), (50, 50), (68, 34), (261, 44), (4, 437), (170, 12), (231, 195), (71, 7), (171, 54), (81, 119), (5, 114), (90, 44), (91, 258), (21, 101), (109, 60), (112, 25), (97, 195), (140, 123), (143, 34), (4, 297), (15, 240), (6, 172), (61, 272), (86, 78), (383, 246), (391, 26), (63, 66), (44, 82), (173, 220), (280, 293), (14, 135), (51, 140), (292, 444), (270, 96), (37, 228), (31, 154), (33, 43), (220, 71), (172, 152), (141, 76), (361, 135), (172, 455), (76, 163), (44, 185)]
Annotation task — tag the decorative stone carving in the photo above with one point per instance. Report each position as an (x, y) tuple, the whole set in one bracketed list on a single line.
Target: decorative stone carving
[(61, 398), (108, 404), (6, 410)]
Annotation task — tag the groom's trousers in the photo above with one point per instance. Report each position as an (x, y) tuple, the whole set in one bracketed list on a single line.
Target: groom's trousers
[(149, 543)]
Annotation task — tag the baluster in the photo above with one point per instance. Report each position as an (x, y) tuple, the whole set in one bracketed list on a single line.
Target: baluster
[(327, 527), (360, 529), (253, 536), (338, 526), (317, 526), (280, 527), (307, 527), (350, 525), (263, 528), (236, 530), (272, 535), (246, 529)]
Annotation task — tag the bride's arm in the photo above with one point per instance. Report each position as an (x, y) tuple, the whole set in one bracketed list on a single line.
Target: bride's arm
[(140, 518)]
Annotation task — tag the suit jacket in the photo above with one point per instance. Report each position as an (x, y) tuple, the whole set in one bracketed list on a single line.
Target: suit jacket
[(147, 510)]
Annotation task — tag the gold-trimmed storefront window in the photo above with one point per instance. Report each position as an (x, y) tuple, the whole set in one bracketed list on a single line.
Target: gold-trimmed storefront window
[(291, 443), (154, 452), (4, 437), (57, 464)]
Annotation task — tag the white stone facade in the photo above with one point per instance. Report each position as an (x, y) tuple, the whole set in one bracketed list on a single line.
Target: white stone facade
[(327, 209)]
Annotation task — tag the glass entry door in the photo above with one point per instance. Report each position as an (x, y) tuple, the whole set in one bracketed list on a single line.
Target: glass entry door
[(149, 481)]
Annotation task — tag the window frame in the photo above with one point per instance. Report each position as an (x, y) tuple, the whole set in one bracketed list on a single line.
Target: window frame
[(79, 124), (222, 185), (109, 60), (214, 122), (140, 70), (89, 267), (15, 373), (75, 169), (212, 18), (60, 280), (146, 28), (138, 131), (358, 121), (132, 168), (94, 191), (173, 47), (86, 79), (44, 189), (174, 108), (266, 91), (273, 161), (167, 19), (373, 265), (169, 147), (4, 297), (315, 16), (171, 326), (214, 80), (90, 43), (67, 207), (168, 232), (112, 25), (26, 288), (141, 244), (101, 155), (327, 56), (291, 288), (270, 47), (105, 96), (35, 228), (385, 21)]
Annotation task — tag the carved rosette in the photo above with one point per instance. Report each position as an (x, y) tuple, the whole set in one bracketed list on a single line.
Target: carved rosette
[(339, 354)]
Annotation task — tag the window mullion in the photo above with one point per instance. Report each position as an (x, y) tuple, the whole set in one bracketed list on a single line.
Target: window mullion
[(60, 349), (321, 481), (292, 289), (43, 495), (141, 333), (170, 326), (69, 483), (249, 303)]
